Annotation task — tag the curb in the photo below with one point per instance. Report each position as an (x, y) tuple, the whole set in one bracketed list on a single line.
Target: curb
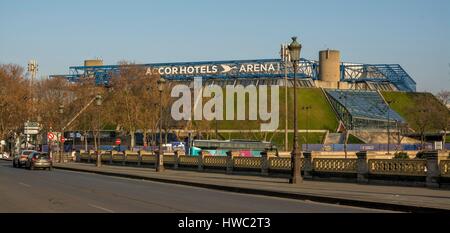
[(303, 197)]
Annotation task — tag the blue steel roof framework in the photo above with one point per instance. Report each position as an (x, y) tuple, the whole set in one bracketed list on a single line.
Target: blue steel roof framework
[(350, 72)]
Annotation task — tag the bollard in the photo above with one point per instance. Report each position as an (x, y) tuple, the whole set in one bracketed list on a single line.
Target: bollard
[(433, 173), (307, 165), (362, 167)]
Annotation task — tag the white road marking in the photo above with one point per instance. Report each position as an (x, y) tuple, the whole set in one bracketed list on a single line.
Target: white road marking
[(26, 185), (101, 208)]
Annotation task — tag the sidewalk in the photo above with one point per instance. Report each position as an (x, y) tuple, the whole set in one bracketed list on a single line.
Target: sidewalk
[(409, 199)]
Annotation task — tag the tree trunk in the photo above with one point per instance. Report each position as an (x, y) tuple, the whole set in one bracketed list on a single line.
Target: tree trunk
[(85, 141), (133, 140), (444, 137), (95, 141), (165, 136), (144, 138)]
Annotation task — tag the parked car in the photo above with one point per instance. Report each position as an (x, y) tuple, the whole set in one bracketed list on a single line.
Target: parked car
[(4, 155), (39, 160), (20, 159)]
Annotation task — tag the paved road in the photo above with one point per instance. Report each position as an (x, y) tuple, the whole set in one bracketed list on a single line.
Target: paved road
[(23, 190)]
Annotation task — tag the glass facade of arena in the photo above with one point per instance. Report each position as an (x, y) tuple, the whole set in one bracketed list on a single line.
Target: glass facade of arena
[(363, 109)]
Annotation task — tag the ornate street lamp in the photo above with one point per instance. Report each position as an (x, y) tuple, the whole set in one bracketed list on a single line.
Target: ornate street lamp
[(389, 102), (61, 150), (344, 97), (98, 102), (307, 108), (294, 50), (160, 155)]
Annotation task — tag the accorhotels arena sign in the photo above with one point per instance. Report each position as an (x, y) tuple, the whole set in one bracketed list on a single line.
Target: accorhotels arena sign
[(215, 69)]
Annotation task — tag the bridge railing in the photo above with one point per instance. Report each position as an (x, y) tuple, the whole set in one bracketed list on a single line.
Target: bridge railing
[(430, 171)]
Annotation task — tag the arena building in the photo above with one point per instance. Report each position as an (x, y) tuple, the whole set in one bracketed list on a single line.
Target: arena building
[(352, 89)]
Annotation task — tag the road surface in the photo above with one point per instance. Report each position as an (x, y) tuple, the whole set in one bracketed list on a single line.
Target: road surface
[(60, 191)]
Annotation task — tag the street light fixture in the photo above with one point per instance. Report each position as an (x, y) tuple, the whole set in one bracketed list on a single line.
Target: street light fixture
[(345, 119), (307, 108), (61, 150), (388, 124), (296, 177), (160, 155), (98, 102)]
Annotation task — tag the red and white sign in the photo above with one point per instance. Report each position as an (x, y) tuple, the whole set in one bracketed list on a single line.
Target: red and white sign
[(50, 136), (118, 141), (63, 139)]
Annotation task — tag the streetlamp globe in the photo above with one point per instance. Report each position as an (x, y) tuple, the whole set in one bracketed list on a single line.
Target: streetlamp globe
[(295, 49), (161, 82), (98, 100)]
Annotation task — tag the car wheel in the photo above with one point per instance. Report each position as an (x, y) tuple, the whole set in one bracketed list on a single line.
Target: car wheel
[(14, 164), (18, 165)]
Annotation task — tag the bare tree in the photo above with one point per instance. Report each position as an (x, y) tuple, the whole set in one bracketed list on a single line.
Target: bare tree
[(14, 99), (420, 116), (444, 97), (441, 116)]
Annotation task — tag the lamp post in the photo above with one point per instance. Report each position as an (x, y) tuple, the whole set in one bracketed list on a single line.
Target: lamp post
[(160, 155), (38, 142), (344, 96), (388, 125), (307, 108), (294, 50), (61, 150), (98, 102)]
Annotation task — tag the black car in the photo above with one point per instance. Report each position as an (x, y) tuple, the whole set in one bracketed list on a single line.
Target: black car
[(39, 160)]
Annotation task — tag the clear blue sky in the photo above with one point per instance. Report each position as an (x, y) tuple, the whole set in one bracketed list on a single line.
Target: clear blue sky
[(413, 33)]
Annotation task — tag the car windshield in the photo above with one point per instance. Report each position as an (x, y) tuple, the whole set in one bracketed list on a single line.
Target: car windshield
[(27, 152)]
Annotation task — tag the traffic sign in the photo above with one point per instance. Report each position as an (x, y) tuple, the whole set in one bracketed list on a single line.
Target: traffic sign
[(118, 141), (62, 139), (50, 136)]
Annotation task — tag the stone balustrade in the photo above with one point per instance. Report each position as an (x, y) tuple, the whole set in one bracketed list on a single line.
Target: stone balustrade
[(363, 168), (401, 167), (336, 165), (444, 167)]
